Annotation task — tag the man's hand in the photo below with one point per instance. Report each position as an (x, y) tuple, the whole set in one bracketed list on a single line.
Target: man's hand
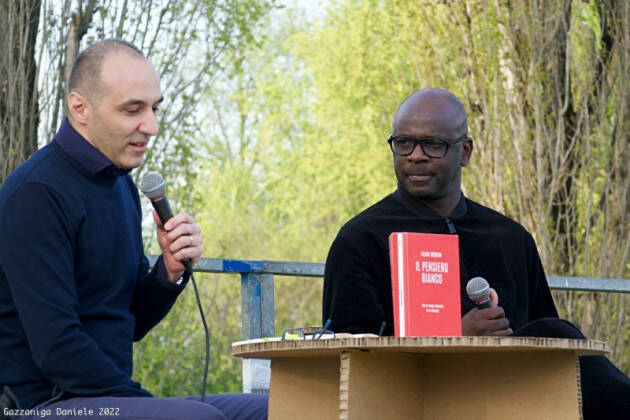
[(179, 238), (489, 321)]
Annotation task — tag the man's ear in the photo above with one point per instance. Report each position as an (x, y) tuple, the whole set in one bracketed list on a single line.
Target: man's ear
[(467, 149), (79, 108)]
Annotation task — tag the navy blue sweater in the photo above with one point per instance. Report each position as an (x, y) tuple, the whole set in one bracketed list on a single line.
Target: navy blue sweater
[(75, 287)]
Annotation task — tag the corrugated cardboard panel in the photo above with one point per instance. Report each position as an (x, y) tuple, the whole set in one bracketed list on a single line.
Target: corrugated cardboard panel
[(271, 348), (384, 386), (304, 388), (514, 386), (429, 378)]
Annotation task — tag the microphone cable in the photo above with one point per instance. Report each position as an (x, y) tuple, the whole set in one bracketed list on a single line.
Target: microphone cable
[(154, 187), (207, 335)]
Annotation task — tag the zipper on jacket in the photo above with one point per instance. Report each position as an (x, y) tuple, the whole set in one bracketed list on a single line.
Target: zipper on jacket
[(451, 227)]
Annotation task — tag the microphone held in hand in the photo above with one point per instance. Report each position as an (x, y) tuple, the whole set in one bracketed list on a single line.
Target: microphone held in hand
[(154, 187), (478, 291)]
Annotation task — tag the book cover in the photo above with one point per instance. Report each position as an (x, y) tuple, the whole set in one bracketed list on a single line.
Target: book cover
[(425, 284)]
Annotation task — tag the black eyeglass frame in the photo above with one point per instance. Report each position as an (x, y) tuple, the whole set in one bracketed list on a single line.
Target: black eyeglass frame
[(301, 335), (421, 141)]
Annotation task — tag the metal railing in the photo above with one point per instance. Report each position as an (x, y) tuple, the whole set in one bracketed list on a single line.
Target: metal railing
[(257, 287)]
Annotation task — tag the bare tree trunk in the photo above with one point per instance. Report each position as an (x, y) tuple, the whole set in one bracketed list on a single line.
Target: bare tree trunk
[(565, 162), (579, 119), (19, 112), (79, 25)]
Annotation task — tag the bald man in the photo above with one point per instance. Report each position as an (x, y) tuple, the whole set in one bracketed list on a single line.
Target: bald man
[(75, 286), (430, 146)]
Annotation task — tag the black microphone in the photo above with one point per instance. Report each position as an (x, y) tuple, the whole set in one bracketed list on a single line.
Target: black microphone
[(154, 187), (478, 291)]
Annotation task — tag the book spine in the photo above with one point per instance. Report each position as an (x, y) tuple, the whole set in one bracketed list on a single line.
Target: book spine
[(393, 258), (400, 262)]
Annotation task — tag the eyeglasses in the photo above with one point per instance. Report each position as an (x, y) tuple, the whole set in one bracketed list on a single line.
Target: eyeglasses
[(432, 147), (300, 333)]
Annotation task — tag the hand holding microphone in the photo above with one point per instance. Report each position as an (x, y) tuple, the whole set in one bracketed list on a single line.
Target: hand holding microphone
[(486, 318), (179, 236)]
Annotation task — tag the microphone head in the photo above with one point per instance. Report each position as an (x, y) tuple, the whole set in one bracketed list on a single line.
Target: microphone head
[(477, 288), (152, 185)]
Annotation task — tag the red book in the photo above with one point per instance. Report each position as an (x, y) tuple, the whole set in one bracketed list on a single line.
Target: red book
[(425, 284)]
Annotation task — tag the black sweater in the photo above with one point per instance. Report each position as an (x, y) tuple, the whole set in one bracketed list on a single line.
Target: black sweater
[(357, 284)]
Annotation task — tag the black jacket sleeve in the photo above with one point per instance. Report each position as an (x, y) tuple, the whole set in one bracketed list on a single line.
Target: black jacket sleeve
[(540, 300), (355, 296)]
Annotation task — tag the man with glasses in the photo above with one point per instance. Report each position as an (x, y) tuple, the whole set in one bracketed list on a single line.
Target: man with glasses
[(430, 145)]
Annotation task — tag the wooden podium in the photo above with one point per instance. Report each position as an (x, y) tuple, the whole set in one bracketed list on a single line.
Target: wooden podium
[(425, 378)]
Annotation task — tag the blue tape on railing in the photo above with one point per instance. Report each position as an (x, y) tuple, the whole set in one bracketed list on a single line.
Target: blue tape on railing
[(241, 266)]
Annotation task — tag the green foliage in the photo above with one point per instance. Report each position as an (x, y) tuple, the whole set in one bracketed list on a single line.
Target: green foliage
[(170, 360), (296, 127)]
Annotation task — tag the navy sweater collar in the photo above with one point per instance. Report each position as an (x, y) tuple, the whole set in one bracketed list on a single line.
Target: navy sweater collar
[(89, 157)]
